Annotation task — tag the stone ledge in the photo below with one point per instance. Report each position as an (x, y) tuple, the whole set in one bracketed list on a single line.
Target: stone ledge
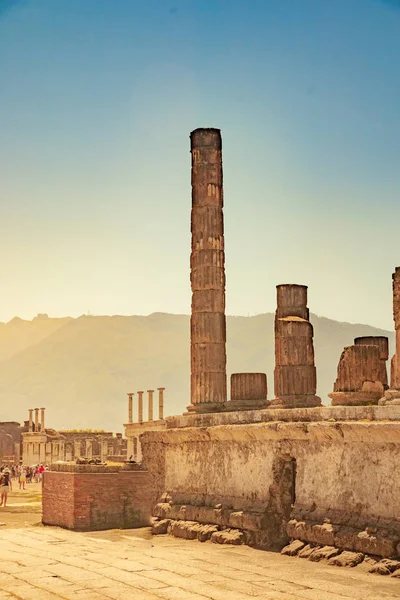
[(316, 414)]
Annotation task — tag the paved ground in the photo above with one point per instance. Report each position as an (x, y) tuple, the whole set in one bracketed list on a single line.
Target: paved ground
[(43, 563)]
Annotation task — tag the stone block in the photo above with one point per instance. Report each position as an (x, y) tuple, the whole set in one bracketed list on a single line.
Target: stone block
[(346, 559), (228, 536), (293, 548)]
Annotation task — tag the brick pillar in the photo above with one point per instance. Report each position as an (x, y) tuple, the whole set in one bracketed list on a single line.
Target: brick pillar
[(30, 419), (130, 408), (295, 375), (36, 419), (207, 262), (140, 407), (42, 428), (150, 406), (161, 403)]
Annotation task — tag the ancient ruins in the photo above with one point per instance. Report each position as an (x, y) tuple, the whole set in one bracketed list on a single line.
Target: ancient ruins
[(291, 474), (133, 429), (45, 445)]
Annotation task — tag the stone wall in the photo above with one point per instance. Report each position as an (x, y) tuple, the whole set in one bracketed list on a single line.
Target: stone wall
[(96, 498), (264, 478)]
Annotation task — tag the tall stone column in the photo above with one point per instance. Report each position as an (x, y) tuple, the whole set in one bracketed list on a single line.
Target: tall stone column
[(161, 403), (130, 408), (30, 419), (42, 419), (395, 364), (393, 394), (295, 375), (36, 420), (140, 407), (207, 262), (150, 405)]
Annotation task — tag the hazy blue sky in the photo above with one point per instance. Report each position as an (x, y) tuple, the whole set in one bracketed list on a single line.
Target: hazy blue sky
[(97, 101)]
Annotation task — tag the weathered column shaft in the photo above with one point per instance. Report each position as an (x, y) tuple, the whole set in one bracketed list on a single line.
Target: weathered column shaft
[(295, 377), (383, 344), (42, 428), (130, 408), (140, 407), (361, 375), (150, 406), (36, 419), (30, 419), (207, 262), (248, 386), (161, 403), (395, 364)]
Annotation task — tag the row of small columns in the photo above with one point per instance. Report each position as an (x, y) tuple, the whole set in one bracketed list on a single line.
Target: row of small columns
[(36, 419), (150, 405)]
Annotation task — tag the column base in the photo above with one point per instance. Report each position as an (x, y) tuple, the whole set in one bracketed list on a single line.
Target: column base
[(205, 407), (233, 405), (354, 398), (300, 401)]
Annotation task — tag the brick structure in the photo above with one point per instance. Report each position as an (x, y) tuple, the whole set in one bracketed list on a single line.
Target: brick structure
[(91, 498), (361, 377), (248, 391), (207, 262), (295, 375)]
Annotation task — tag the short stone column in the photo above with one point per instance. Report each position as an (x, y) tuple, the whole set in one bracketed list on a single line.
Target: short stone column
[(360, 376), (248, 391), (30, 426), (42, 428), (36, 420), (383, 344), (130, 408), (207, 275), (295, 377), (150, 405), (161, 402), (140, 407)]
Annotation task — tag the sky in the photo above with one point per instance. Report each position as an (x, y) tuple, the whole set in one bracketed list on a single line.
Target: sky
[(97, 101)]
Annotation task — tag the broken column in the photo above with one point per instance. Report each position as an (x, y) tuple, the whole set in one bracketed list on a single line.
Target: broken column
[(248, 391), (161, 403), (295, 375), (207, 262), (392, 395), (383, 344), (361, 374)]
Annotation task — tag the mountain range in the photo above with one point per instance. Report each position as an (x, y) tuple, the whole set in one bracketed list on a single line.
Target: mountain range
[(80, 369)]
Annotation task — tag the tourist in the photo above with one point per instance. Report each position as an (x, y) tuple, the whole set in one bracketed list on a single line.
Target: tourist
[(22, 479), (5, 486)]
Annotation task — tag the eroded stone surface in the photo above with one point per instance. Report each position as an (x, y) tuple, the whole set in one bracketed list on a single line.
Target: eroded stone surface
[(293, 548), (346, 559)]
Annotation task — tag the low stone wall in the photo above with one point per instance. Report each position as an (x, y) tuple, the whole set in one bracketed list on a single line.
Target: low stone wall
[(90, 498), (316, 478)]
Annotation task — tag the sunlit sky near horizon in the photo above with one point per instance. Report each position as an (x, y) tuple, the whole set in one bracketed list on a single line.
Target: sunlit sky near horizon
[(97, 101)]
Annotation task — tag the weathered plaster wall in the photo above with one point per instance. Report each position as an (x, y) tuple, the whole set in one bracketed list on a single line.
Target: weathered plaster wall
[(346, 471)]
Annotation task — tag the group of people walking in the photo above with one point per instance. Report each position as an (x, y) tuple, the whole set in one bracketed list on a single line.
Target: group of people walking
[(23, 474)]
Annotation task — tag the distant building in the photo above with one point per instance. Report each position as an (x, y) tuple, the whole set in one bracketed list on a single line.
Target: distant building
[(43, 445)]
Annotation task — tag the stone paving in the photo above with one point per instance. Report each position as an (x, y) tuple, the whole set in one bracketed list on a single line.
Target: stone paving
[(43, 563)]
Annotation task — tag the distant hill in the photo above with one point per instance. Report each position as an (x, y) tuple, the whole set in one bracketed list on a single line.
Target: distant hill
[(81, 369)]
